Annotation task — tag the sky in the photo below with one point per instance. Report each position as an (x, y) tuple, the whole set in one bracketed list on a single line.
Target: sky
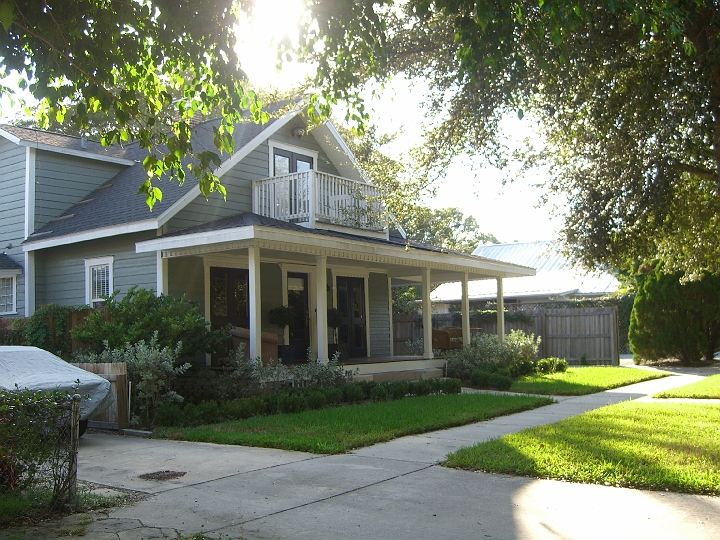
[(507, 210)]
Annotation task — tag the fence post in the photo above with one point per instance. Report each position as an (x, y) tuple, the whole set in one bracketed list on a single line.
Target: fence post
[(74, 444)]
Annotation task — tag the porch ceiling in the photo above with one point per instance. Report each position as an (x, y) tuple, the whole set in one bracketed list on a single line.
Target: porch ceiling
[(303, 246)]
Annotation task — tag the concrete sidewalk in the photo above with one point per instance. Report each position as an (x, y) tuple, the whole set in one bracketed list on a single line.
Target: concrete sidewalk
[(389, 490)]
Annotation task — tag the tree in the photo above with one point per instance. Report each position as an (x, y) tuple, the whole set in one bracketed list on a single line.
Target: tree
[(448, 228), (626, 94), (128, 59), (671, 319)]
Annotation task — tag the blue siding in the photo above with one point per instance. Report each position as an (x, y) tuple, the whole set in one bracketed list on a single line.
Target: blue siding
[(379, 315), (186, 275), (62, 180), (12, 210), (61, 270)]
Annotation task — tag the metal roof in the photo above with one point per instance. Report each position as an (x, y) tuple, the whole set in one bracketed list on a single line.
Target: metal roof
[(555, 275)]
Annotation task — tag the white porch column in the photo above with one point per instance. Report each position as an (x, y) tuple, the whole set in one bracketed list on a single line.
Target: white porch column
[(426, 314), (390, 314), (254, 300), (500, 310), (29, 283), (321, 303), (162, 275), (465, 309)]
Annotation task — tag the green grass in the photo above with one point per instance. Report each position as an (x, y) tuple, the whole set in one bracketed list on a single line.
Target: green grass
[(708, 388), (339, 429), (581, 381), (645, 445)]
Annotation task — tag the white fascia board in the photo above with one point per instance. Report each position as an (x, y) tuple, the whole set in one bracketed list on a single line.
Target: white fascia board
[(9, 136), (241, 154), (197, 239), (328, 131), (116, 230)]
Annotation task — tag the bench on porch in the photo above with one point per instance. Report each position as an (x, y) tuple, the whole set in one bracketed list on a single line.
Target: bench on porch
[(268, 348), (447, 338)]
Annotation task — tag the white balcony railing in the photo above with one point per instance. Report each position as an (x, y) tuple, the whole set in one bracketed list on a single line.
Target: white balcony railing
[(311, 196)]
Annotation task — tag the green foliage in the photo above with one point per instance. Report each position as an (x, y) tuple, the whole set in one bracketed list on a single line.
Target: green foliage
[(34, 452), (281, 316), (151, 65), (551, 365), (487, 349), (12, 331), (706, 388), (583, 380), (297, 399), (446, 227), (142, 316), (671, 319), (48, 329), (490, 315), (151, 369), (499, 381), (334, 317)]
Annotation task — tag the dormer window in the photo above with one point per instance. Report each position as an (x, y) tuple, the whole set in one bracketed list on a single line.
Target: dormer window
[(288, 159)]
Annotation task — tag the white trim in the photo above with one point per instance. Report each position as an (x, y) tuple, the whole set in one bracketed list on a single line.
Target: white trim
[(161, 286), (390, 313), (273, 144), (500, 310), (427, 314), (345, 148), (321, 309), (29, 283), (62, 150), (11, 274), (255, 301), (29, 191), (366, 285), (115, 230), (91, 263)]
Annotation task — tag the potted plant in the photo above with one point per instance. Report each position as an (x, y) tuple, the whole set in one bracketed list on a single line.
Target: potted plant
[(335, 318), (282, 317)]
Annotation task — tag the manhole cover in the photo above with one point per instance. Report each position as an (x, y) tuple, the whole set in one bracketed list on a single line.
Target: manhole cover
[(162, 475)]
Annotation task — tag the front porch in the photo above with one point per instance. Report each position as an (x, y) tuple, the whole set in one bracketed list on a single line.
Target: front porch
[(243, 267)]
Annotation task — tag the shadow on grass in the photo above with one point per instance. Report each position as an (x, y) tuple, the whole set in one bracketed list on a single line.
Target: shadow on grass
[(645, 445)]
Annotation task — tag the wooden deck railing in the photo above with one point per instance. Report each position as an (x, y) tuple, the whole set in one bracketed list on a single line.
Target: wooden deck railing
[(310, 196)]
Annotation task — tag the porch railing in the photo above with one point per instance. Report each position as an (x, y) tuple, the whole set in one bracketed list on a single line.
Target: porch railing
[(311, 196)]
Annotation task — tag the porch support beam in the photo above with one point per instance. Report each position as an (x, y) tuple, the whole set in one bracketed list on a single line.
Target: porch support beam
[(426, 314), (465, 309), (321, 303), (162, 275), (254, 300), (500, 310)]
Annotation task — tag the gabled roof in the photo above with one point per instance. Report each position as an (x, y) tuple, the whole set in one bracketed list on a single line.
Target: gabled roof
[(555, 275), (116, 208), (8, 263), (67, 144)]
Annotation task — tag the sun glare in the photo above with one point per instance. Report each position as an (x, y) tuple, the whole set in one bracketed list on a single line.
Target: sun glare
[(270, 22)]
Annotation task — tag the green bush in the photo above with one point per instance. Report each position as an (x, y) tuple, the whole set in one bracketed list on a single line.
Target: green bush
[(12, 331), (140, 315), (379, 393), (353, 393), (398, 389), (480, 378), (487, 350), (151, 371), (499, 381)]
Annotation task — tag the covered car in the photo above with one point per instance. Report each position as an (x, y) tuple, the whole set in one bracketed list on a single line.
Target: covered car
[(36, 369)]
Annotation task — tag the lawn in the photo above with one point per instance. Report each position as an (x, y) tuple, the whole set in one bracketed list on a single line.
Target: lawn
[(583, 380), (644, 445), (339, 429), (708, 388)]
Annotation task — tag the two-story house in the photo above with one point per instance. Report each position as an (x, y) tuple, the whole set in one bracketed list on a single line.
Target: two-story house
[(301, 227)]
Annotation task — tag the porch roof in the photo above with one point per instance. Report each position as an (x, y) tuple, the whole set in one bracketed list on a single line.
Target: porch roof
[(281, 240)]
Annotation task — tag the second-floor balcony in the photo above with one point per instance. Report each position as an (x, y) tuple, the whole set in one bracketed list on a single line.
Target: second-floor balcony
[(316, 199)]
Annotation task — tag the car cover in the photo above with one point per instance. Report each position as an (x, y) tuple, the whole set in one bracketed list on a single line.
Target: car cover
[(35, 369)]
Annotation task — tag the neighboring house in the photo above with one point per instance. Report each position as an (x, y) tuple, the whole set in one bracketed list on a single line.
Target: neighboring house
[(555, 279), (300, 227)]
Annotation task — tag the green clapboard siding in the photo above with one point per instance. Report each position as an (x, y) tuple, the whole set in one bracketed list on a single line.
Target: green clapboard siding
[(61, 270), (186, 275), (379, 315)]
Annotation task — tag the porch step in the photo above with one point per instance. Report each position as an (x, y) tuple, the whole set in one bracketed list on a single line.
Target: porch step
[(410, 375)]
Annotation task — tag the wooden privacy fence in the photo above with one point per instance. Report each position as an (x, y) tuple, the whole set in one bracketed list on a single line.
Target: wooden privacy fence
[(117, 416), (577, 334)]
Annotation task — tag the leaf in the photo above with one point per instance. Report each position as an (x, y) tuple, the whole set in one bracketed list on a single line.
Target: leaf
[(6, 14), (520, 114)]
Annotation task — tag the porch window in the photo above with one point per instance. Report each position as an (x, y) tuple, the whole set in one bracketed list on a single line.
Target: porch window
[(7, 294), (98, 281)]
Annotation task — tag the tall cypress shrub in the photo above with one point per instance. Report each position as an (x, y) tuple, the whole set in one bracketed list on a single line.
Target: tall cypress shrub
[(671, 319)]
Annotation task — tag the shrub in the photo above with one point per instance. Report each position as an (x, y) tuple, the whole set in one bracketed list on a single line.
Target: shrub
[(379, 393), (486, 351), (398, 389), (480, 378), (12, 331), (352, 393), (499, 381), (140, 315), (151, 371)]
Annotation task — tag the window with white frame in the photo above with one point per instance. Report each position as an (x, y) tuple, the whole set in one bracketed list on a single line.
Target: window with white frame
[(98, 281), (8, 289)]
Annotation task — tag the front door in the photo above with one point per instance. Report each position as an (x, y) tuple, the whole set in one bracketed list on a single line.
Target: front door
[(297, 288), (351, 303)]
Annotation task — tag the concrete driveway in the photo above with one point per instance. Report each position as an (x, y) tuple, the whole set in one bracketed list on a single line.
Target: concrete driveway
[(393, 490)]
